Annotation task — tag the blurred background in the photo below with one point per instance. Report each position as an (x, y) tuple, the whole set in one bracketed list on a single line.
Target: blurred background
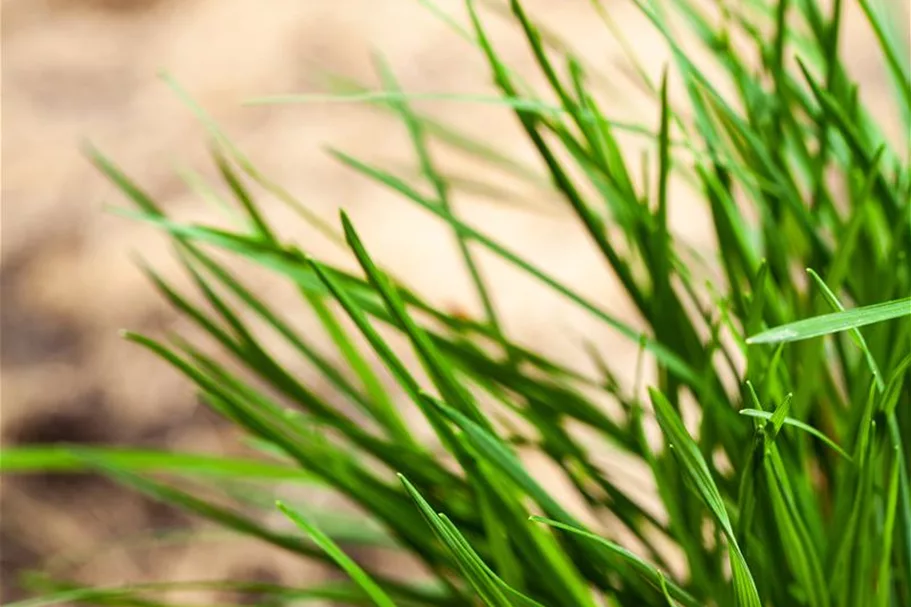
[(86, 70)]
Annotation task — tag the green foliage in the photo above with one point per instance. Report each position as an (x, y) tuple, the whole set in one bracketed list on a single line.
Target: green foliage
[(792, 486)]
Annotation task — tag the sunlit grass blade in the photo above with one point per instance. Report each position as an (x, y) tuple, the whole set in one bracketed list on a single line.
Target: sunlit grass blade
[(645, 569), (490, 588), (140, 594), (457, 139), (216, 132), (856, 335), (895, 50), (835, 322), (673, 362), (694, 467), (75, 458), (223, 516), (436, 365), (441, 188), (358, 575), (796, 423)]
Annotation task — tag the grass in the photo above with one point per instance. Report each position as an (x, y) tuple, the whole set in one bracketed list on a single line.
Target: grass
[(792, 487)]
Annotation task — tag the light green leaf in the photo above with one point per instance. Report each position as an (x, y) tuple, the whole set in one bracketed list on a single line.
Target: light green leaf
[(835, 322)]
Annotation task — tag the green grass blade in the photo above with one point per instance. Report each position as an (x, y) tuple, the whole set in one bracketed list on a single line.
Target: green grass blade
[(796, 423), (695, 468), (648, 571), (208, 510), (856, 335), (481, 579), (665, 356), (216, 132), (441, 188), (357, 574), (835, 322), (895, 51), (73, 458), (436, 365)]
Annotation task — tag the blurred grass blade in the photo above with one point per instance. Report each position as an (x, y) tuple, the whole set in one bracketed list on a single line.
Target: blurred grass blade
[(75, 458), (358, 575), (664, 355)]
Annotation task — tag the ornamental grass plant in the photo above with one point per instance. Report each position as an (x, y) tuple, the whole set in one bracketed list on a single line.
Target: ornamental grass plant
[(767, 413)]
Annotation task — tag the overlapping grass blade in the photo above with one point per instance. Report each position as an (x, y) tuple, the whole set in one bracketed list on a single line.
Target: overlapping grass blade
[(695, 469), (358, 575)]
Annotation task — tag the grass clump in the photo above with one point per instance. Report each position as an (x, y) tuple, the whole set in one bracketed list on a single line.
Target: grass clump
[(790, 349)]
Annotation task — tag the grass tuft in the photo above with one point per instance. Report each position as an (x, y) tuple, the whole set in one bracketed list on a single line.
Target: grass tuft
[(791, 487)]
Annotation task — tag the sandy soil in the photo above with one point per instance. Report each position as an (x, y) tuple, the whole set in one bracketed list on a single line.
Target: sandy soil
[(76, 70)]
